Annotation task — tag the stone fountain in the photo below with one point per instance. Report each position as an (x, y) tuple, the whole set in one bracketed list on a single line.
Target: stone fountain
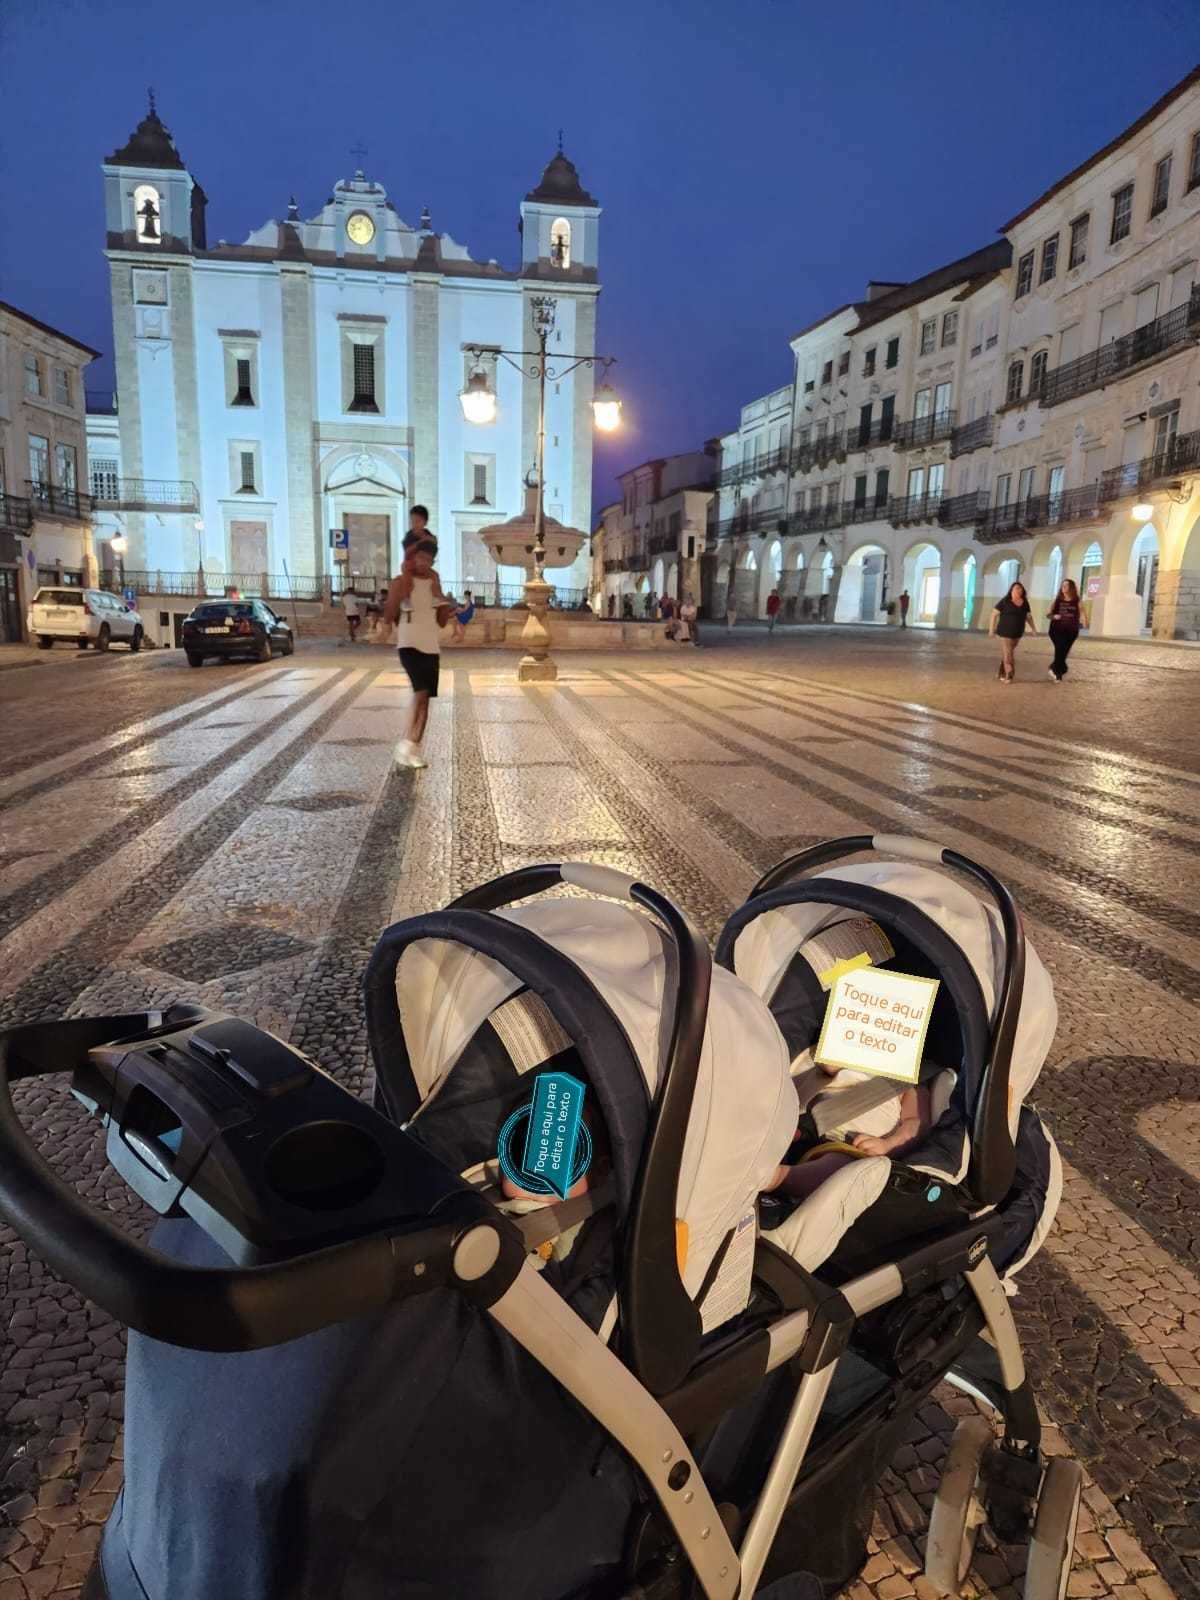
[(511, 544)]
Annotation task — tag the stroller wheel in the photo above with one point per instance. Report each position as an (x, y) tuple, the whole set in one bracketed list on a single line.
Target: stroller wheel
[(958, 1508), (1052, 1545)]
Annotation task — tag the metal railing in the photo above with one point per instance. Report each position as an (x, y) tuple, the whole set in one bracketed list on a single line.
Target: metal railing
[(864, 436), (1181, 455), (756, 467), (760, 522), (963, 509), (923, 430), (16, 514), (614, 564), (144, 494), (1040, 511), (199, 584), (811, 452), (973, 435), (914, 508), (1119, 355), (58, 501), (638, 560), (662, 543)]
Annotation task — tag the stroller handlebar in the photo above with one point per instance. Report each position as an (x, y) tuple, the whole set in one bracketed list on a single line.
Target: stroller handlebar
[(204, 1308)]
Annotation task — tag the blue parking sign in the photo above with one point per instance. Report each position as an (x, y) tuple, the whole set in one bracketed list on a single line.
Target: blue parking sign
[(339, 538)]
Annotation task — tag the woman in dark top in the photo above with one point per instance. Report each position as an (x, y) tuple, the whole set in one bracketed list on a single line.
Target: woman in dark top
[(1065, 622), (1009, 622)]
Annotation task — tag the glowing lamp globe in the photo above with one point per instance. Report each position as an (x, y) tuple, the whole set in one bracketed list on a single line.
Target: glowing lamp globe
[(477, 400), (1142, 513), (119, 544), (606, 409)]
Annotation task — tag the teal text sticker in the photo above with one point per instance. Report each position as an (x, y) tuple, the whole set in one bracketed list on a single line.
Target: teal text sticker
[(553, 1132)]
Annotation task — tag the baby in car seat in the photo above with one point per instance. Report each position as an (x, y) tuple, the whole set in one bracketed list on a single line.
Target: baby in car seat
[(900, 1123), (518, 1202)]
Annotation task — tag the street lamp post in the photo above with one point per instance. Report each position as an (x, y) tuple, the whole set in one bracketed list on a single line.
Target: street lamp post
[(478, 401)]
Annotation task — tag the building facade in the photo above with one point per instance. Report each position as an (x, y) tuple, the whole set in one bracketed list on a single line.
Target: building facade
[(45, 510), (653, 540), (1004, 415), (307, 380)]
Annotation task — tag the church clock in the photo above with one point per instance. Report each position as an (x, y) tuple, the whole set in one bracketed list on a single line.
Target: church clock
[(360, 228)]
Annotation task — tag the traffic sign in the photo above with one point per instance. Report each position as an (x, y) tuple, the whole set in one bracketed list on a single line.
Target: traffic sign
[(339, 538)]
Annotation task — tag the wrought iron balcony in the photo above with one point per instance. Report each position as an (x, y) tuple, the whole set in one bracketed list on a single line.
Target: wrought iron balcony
[(759, 523), (973, 435), (964, 509), (1146, 343), (1040, 511), (1181, 455), (923, 430), (662, 543), (818, 451), (855, 512), (816, 519), (16, 515), (59, 502), (614, 564), (914, 508), (143, 494), (865, 436), (759, 466)]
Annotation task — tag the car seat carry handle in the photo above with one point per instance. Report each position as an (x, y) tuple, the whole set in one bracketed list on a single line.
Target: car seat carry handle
[(222, 1309), (660, 1324), (993, 1156)]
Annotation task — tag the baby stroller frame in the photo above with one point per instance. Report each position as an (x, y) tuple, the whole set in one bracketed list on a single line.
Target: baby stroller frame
[(662, 1396)]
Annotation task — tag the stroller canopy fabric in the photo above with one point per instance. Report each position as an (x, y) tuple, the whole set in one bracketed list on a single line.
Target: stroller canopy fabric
[(744, 1112)]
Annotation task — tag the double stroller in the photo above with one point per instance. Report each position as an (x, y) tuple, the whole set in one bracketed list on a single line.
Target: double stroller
[(357, 1369)]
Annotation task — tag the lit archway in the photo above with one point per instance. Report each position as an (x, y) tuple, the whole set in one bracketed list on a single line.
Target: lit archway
[(1001, 570), (658, 577), (1143, 574), (863, 586), (772, 574), (922, 575), (964, 579)]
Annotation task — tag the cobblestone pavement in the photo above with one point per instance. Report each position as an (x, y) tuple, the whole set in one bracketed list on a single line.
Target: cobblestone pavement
[(236, 836)]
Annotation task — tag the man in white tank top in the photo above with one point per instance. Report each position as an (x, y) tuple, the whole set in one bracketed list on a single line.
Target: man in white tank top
[(420, 610)]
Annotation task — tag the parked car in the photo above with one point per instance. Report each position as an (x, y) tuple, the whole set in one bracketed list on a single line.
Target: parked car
[(83, 617), (235, 628)]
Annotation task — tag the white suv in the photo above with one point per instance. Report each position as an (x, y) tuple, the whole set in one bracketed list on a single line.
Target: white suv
[(83, 617)]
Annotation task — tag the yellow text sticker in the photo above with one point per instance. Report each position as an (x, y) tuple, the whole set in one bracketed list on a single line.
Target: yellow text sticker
[(876, 1021)]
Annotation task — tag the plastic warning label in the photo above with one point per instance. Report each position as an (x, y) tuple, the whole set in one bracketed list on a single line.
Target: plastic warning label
[(858, 940), (730, 1289)]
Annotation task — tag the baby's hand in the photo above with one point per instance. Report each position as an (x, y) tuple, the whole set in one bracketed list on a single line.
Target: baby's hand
[(869, 1145)]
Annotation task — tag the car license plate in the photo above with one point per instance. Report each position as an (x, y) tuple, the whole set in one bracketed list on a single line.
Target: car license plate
[(216, 630), (59, 611)]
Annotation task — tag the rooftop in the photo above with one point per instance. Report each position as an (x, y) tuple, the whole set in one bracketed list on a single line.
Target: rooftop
[(44, 327)]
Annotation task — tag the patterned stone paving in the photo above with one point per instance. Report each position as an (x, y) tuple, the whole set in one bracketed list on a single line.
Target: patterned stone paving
[(260, 841)]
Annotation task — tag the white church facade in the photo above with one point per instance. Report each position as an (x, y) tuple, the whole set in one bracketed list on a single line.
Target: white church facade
[(308, 379)]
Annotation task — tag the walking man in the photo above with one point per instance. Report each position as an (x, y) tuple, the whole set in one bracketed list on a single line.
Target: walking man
[(417, 605), (773, 605), (904, 608), (353, 609)]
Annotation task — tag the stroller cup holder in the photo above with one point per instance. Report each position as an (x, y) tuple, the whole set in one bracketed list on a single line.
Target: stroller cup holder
[(325, 1208)]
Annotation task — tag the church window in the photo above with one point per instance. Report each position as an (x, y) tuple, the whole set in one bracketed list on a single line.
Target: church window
[(479, 473), (244, 395), (147, 214), (247, 461), (105, 477), (363, 396), (560, 242)]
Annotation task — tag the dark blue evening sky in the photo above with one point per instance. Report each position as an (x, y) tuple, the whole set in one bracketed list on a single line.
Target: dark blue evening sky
[(757, 160)]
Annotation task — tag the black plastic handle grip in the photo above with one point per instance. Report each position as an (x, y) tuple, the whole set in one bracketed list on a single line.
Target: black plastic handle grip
[(200, 1308)]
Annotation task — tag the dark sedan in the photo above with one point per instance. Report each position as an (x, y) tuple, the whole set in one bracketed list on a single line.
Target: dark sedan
[(235, 628)]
